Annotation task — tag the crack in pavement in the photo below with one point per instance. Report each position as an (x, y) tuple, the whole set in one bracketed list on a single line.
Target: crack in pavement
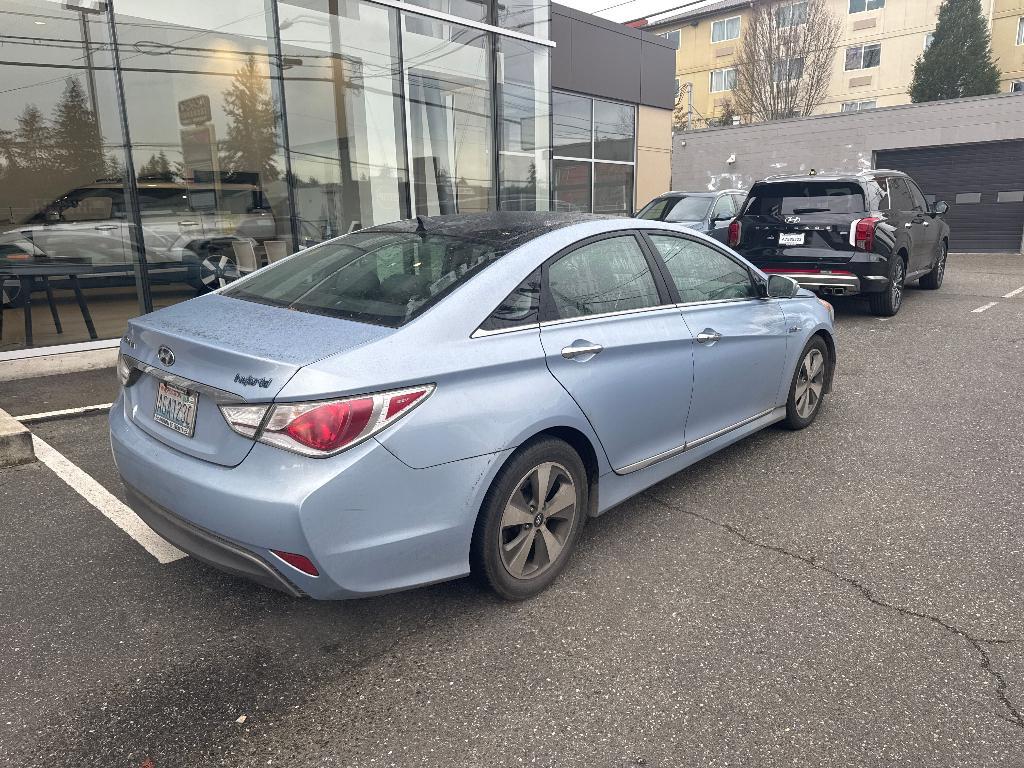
[(1013, 718)]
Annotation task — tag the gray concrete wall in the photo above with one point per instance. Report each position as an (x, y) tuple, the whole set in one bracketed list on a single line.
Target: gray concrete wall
[(836, 142), (608, 60)]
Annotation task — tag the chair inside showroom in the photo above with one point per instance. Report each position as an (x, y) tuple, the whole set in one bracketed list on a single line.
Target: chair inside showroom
[(245, 256), (276, 250)]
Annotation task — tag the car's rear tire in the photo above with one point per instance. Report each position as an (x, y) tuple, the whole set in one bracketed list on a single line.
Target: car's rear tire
[(519, 545), (933, 280), (888, 302), (807, 390)]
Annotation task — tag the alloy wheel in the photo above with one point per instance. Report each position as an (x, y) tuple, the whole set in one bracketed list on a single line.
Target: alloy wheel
[(537, 521), (810, 383), (943, 253), (217, 270), (899, 274)]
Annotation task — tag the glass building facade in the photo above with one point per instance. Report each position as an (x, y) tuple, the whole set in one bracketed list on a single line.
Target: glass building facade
[(153, 151)]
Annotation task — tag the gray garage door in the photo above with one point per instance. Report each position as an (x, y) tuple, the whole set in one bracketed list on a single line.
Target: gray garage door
[(983, 184)]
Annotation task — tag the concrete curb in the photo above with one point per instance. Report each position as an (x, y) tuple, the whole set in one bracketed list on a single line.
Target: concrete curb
[(15, 442), (58, 363)]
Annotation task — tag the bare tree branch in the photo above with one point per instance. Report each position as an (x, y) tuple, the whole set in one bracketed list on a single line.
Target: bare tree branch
[(785, 61)]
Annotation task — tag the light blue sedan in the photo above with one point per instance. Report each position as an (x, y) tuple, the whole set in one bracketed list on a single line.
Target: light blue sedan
[(421, 400)]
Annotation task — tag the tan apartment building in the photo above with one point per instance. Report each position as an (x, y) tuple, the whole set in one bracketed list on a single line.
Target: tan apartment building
[(874, 63)]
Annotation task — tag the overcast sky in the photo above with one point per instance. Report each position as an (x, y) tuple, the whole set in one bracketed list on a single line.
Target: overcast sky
[(627, 10)]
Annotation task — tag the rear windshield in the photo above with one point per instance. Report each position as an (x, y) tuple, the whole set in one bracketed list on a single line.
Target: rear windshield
[(386, 278), (677, 209), (804, 197)]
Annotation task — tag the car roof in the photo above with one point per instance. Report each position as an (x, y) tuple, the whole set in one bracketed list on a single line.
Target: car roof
[(854, 176), (505, 229), (717, 192)]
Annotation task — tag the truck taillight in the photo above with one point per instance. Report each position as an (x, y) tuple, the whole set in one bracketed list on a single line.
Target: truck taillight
[(863, 234), (325, 427), (735, 233)]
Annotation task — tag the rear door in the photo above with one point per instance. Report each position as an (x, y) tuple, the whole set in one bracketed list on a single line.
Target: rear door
[(910, 221), (741, 340), (613, 338)]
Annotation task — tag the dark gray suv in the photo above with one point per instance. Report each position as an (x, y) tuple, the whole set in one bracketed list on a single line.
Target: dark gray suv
[(707, 212)]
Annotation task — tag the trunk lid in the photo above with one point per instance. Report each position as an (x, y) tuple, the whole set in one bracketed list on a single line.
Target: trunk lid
[(227, 349), (823, 239)]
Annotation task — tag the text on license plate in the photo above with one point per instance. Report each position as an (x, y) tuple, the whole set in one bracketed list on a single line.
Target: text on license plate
[(791, 238), (176, 408)]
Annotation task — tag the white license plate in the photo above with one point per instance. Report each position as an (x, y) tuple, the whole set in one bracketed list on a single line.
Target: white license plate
[(176, 409), (791, 238)]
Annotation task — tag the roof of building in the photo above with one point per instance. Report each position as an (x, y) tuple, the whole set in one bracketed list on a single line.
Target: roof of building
[(698, 13)]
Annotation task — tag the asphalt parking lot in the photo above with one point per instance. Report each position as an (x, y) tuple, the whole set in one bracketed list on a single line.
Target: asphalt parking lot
[(844, 596)]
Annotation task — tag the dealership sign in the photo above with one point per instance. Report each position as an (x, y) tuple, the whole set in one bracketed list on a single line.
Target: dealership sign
[(194, 111)]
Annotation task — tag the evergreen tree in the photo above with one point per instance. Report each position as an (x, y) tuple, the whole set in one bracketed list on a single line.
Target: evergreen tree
[(157, 167), (32, 140), (251, 142), (959, 62), (77, 144)]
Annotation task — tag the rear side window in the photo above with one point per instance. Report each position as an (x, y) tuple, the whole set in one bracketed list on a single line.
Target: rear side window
[(700, 272), (375, 277), (521, 307), (805, 197), (609, 275)]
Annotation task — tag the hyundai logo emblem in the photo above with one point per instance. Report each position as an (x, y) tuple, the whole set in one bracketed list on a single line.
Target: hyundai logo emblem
[(166, 356), (792, 219)]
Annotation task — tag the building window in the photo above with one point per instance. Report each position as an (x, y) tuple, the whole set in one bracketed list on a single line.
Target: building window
[(858, 106), (594, 154), (1020, 31), (863, 56), (792, 14), (789, 69), (859, 6), (723, 79), (1017, 86), (524, 118), (928, 40), (672, 36), (725, 29)]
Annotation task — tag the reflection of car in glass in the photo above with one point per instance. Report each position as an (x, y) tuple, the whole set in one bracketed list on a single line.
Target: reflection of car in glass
[(707, 212), (189, 230), (422, 399)]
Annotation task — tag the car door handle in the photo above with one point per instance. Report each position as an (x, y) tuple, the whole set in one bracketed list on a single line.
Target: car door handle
[(572, 352), (103, 227), (909, 224), (708, 336)]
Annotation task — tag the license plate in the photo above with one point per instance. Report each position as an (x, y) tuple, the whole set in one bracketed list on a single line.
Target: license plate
[(176, 409), (791, 238)]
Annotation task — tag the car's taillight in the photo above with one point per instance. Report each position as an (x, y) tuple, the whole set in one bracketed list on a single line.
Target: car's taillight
[(863, 234), (324, 428), (735, 233)]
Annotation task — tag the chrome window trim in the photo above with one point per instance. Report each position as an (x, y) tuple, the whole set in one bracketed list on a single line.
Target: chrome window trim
[(442, 16), (643, 464), (481, 333), (606, 315), (220, 396), (685, 305)]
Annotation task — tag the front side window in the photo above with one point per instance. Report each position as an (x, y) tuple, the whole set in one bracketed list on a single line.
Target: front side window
[(725, 29), (609, 275), (723, 79), (859, 6), (864, 56), (700, 272), (920, 204), (385, 278), (723, 209)]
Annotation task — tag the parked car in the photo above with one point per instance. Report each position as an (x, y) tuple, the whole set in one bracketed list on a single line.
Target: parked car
[(415, 401), (707, 212), (861, 233)]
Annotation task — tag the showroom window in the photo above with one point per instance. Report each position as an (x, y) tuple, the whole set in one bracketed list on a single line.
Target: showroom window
[(864, 56), (594, 148), (725, 29)]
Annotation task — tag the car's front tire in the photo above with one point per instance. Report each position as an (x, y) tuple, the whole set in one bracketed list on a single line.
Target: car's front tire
[(888, 302), (531, 519), (933, 280), (807, 390)]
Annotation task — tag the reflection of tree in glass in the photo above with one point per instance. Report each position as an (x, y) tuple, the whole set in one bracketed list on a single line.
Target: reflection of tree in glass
[(77, 144), (251, 141), (158, 167)]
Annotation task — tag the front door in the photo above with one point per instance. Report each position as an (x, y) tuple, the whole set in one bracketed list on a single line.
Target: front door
[(912, 222), (740, 340), (616, 343)]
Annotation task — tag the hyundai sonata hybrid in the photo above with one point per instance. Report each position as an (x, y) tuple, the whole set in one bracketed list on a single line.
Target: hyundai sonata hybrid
[(421, 400)]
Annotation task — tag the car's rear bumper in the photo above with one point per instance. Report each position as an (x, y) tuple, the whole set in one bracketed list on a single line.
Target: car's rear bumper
[(828, 284), (367, 521)]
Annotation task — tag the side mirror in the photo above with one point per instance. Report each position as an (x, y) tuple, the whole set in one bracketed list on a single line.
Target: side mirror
[(782, 287), (940, 207)]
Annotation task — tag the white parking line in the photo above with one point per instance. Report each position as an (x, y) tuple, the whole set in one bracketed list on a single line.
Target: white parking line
[(1013, 293), (106, 502), (983, 307), (84, 410)]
